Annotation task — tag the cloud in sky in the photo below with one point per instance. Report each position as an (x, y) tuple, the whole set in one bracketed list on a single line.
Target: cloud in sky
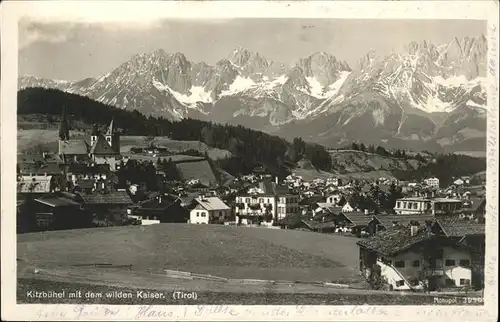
[(76, 50)]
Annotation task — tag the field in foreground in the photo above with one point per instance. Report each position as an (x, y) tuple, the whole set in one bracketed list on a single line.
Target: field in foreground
[(232, 252)]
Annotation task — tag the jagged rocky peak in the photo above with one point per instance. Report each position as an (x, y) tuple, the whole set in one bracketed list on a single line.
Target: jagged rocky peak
[(251, 64), (297, 78), (367, 60), (240, 56), (324, 67)]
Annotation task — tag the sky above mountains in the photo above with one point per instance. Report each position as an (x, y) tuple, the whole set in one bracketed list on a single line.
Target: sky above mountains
[(74, 51)]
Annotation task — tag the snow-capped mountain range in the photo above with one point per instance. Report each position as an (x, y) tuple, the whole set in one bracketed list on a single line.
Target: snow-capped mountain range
[(428, 93)]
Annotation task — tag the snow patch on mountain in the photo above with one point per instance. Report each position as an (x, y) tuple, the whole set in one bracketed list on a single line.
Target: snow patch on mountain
[(315, 88), (239, 84), (334, 88), (197, 94)]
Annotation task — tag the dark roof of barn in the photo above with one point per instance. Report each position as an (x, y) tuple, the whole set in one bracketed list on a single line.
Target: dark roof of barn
[(292, 219), (390, 220), (112, 198), (358, 218), (85, 183), (461, 228), (395, 240), (55, 201), (311, 200)]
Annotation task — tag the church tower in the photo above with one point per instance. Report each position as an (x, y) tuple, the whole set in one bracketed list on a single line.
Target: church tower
[(113, 137), (94, 134)]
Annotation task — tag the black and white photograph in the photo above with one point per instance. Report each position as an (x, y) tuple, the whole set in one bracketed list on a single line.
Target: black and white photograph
[(214, 161)]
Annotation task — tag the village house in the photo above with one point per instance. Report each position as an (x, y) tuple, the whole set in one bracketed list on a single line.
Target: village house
[(348, 206), (159, 208), (267, 203), (51, 212), (474, 208), (334, 198), (106, 205), (432, 182), (431, 256), (35, 186), (435, 206), (209, 210)]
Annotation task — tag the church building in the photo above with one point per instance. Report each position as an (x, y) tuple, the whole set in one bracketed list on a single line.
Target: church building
[(103, 148)]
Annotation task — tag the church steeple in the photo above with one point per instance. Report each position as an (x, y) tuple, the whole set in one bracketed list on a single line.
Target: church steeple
[(64, 126), (110, 131)]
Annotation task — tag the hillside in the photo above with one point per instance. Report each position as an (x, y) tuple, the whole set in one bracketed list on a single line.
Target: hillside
[(349, 161)]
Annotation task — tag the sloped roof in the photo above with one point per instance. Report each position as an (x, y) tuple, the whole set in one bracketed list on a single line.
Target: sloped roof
[(35, 184), (55, 201), (461, 228), (319, 225), (358, 219), (50, 168), (388, 220), (73, 147), (292, 219), (113, 197), (101, 146), (85, 183), (212, 203), (394, 240), (311, 200), (270, 187)]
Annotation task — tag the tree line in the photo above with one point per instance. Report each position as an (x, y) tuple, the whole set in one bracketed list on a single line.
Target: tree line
[(380, 150)]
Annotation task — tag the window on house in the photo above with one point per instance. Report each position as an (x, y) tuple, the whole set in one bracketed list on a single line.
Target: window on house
[(399, 264), (400, 283), (449, 282), (261, 200), (198, 214), (416, 263), (415, 205), (247, 200), (398, 204), (464, 262), (449, 262), (464, 281), (203, 214)]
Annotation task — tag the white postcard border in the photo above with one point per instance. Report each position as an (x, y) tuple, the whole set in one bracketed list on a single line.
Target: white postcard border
[(140, 11)]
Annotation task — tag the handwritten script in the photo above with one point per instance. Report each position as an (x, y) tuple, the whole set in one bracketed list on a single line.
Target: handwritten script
[(145, 312)]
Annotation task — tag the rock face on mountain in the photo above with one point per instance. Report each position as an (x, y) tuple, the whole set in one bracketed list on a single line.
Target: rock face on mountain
[(428, 96)]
